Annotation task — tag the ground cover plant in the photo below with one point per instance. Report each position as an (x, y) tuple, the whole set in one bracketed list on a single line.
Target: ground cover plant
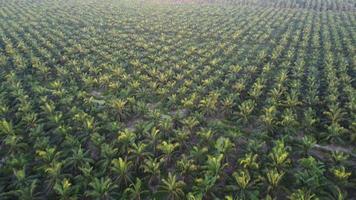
[(230, 99)]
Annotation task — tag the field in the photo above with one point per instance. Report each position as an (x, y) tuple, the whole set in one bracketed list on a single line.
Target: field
[(178, 99)]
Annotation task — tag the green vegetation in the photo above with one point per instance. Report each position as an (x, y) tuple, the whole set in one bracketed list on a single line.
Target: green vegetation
[(178, 100)]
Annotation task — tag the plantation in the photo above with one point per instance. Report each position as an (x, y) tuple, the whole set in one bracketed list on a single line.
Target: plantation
[(178, 99)]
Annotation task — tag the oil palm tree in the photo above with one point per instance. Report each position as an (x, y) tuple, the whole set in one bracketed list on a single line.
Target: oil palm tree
[(153, 137), (77, 159), (209, 104), (167, 149), (279, 155), (135, 191), (107, 153), (224, 146), (53, 174), (122, 171), (138, 153), (64, 189), (102, 188), (190, 122), (152, 167), (303, 194), (172, 188), (27, 192), (249, 161), (269, 117), (119, 106), (126, 138), (245, 109), (273, 178), (214, 165)]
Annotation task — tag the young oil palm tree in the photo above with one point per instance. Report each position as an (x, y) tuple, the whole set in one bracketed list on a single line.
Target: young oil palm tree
[(341, 174), (335, 131), (273, 178), (186, 165), (279, 155), (138, 153), (245, 109), (135, 191), (119, 106), (152, 167), (125, 139), (289, 121), (205, 134), (209, 104), (102, 188), (64, 190), (166, 124), (53, 173), (310, 119), (339, 157), (172, 188), (198, 153), (153, 137), (307, 143), (194, 196), (227, 105), (249, 161), (303, 194), (6, 127), (214, 165), (244, 185), (26, 192), (292, 100), (224, 146), (122, 171), (190, 122), (242, 179), (269, 118), (107, 153), (256, 90), (77, 159), (335, 114), (167, 149)]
